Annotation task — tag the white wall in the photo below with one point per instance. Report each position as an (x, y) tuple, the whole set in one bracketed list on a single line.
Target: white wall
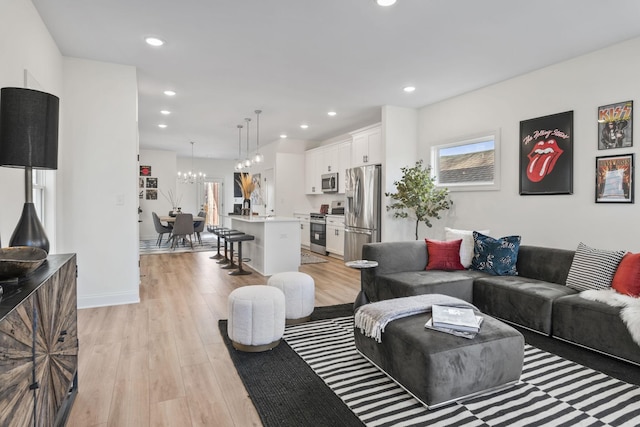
[(25, 43), (582, 85), (100, 180), (399, 141), (163, 167)]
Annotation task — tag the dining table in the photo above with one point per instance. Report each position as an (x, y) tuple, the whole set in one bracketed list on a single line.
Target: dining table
[(172, 219)]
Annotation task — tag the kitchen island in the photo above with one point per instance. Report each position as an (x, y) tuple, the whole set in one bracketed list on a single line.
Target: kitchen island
[(276, 247)]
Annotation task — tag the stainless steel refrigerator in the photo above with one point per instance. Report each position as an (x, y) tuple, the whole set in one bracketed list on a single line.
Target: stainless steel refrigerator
[(362, 209)]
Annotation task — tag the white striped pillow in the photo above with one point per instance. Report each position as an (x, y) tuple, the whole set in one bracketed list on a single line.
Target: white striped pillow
[(593, 268)]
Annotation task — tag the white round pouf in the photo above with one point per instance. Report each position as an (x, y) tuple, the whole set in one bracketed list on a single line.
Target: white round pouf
[(299, 295), (256, 317)]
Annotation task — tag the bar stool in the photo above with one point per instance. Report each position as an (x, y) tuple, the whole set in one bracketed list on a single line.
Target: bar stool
[(216, 230), (239, 238), (228, 257)]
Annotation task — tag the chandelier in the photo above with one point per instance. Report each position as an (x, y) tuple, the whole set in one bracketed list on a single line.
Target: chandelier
[(191, 177)]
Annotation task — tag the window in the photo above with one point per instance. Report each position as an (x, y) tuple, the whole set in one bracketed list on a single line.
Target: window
[(38, 192), (469, 165)]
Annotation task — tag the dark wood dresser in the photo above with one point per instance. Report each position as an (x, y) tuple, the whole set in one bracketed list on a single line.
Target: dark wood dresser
[(39, 345)]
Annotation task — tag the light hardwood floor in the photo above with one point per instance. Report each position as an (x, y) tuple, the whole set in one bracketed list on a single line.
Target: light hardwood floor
[(162, 362)]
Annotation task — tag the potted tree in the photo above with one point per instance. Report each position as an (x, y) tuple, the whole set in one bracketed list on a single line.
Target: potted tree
[(418, 196)]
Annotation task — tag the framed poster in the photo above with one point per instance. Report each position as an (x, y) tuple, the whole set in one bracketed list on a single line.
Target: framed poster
[(152, 194), (614, 179), (615, 125), (546, 155), (145, 170), (152, 182)]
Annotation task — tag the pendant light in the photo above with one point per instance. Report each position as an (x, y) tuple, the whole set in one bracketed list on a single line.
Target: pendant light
[(258, 158), (239, 165), (191, 177), (247, 161)]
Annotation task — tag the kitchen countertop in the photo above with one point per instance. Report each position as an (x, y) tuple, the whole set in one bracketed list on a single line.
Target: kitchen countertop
[(258, 218)]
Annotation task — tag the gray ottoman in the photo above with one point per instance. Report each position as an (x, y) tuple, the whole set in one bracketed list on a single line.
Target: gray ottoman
[(439, 368)]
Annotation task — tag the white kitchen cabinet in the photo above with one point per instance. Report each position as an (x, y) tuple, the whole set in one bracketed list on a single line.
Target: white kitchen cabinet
[(344, 163), (366, 146), (335, 234), (313, 160), (326, 159), (305, 240)]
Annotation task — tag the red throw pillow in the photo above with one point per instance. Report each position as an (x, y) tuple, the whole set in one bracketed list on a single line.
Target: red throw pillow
[(444, 255), (627, 277)]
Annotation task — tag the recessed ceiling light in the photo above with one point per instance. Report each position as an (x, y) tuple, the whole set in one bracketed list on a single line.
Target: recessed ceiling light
[(304, 126), (162, 126), (332, 113), (386, 2), (283, 136), (409, 89), (169, 93), (154, 41), (165, 112)]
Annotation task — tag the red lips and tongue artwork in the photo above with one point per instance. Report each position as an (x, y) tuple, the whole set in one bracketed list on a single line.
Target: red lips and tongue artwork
[(546, 155)]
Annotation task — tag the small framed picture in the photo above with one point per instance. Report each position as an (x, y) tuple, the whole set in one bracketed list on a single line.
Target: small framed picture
[(145, 170), (614, 179), (152, 182), (615, 125), (152, 194)]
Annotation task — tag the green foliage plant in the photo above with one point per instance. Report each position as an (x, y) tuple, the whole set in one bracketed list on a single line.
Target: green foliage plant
[(418, 196)]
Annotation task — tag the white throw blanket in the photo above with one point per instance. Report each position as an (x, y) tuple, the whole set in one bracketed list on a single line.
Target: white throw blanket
[(630, 314), (372, 318)]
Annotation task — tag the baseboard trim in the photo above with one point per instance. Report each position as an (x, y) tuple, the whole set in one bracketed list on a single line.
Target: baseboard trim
[(104, 300)]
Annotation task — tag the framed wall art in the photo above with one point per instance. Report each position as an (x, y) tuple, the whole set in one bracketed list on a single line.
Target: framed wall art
[(152, 194), (546, 155), (152, 182), (145, 170), (614, 179), (615, 125)]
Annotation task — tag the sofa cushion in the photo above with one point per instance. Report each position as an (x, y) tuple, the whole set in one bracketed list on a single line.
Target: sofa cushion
[(457, 284), (495, 256), (526, 302), (593, 324), (593, 268), (443, 255), (547, 264), (466, 248), (627, 277)]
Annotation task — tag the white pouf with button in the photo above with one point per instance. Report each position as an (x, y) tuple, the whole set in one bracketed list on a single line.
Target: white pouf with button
[(256, 317), (299, 294)]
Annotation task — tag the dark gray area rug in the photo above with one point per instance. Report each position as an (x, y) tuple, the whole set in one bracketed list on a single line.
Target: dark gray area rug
[(288, 392), (284, 389)]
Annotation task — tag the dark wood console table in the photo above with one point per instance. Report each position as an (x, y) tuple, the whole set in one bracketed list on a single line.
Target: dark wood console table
[(39, 345)]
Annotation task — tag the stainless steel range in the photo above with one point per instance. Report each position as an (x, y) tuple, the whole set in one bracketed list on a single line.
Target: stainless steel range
[(318, 226), (318, 233)]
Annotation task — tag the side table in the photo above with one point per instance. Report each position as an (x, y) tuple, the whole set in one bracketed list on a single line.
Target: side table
[(361, 264)]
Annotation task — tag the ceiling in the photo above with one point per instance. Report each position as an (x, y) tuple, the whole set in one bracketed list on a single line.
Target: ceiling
[(298, 59)]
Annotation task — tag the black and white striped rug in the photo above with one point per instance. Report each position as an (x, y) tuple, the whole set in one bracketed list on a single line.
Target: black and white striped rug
[(552, 392)]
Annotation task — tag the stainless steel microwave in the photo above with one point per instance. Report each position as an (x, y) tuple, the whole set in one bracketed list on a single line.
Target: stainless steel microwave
[(330, 183)]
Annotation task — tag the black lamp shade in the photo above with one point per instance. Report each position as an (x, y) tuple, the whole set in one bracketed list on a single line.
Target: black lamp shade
[(28, 128)]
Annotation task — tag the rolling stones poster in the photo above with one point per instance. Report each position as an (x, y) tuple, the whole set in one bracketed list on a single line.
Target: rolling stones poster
[(546, 154), (615, 125)]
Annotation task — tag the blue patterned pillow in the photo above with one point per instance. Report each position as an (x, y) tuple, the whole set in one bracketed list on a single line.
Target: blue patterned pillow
[(495, 256)]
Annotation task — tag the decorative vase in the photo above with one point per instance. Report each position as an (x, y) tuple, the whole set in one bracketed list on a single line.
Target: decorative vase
[(246, 207)]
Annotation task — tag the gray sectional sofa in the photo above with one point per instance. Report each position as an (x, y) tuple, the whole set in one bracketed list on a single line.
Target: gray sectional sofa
[(536, 298)]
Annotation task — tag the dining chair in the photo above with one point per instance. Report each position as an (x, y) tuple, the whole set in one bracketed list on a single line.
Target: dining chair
[(198, 227), (160, 229), (182, 228)]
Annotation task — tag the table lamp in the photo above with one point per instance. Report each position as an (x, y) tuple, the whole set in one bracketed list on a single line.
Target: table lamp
[(28, 139)]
